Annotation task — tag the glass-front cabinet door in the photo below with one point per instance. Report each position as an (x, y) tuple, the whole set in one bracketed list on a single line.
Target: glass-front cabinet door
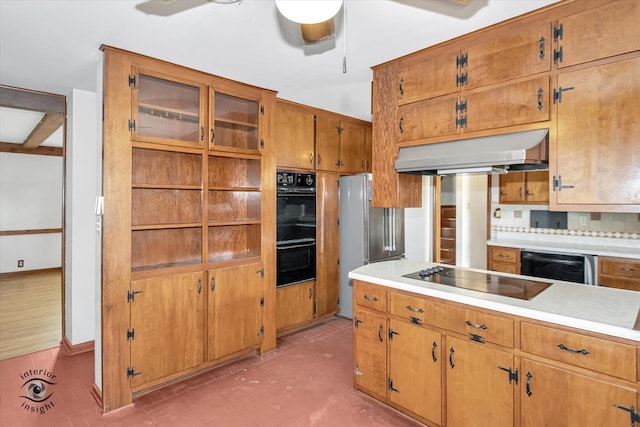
[(167, 110), (235, 122)]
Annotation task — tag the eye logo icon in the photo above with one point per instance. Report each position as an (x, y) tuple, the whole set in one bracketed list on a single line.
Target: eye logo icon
[(37, 389)]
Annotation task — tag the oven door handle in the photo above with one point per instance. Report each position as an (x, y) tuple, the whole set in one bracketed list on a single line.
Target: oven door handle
[(302, 245)]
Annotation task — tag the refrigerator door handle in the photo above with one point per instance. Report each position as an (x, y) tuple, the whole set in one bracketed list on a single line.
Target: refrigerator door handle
[(392, 229)]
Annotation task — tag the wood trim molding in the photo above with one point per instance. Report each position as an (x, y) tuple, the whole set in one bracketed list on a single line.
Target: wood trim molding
[(96, 393), (75, 349), (24, 232), (14, 274), (7, 147)]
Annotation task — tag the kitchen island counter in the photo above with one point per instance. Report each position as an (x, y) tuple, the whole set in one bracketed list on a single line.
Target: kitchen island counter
[(608, 311)]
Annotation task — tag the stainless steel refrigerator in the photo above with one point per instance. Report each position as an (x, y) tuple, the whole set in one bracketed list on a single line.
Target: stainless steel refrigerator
[(367, 234)]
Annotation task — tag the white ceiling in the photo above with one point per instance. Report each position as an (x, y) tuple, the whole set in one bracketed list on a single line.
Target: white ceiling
[(53, 45)]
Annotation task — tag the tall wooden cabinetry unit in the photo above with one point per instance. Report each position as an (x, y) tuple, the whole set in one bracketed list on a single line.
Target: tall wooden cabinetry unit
[(188, 272), (327, 243), (541, 70)]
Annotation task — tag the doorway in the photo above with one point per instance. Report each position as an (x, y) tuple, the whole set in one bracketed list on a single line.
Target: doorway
[(32, 163)]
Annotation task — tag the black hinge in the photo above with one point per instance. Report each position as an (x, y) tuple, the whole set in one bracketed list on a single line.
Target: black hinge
[(261, 271), (557, 33), (635, 417), (131, 373), (356, 322), (461, 106), (131, 125), (131, 295), (557, 93), (261, 143), (262, 302), (476, 338), (557, 55), (415, 320), (461, 60), (461, 79), (262, 110), (392, 333), (130, 334), (340, 129), (513, 376), (132, 81), (261, 333), (390, 386), (461, 122)]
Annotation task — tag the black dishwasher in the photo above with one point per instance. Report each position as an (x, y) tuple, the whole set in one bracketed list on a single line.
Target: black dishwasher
[(576, 268)]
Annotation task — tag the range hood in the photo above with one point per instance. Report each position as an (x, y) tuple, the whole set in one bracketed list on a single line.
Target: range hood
[(526, 150)]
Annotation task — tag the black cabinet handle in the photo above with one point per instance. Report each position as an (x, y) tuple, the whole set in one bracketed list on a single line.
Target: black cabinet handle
[(541, 46), (529, 376), (401, 88), (474, 325), (415, 310), (433, 351), (380, 333), (451, 351), (573, 350), (199, 286), (213, 134), (540, 105), (202, 133), (368, 298), (400, 125)]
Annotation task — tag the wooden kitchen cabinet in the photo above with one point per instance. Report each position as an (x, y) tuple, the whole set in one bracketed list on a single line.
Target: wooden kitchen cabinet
[(294, 305), (327, 143), (352, 148), (554, 396), (591, 163), (442, 113), (294, 135), (327, 243), (370, 352), (235, 310), (415, 369), (621, 273), (340, 144), (600, 32), (184, 158), (525, 187), (167, 327), (479, 389), (505, 260)]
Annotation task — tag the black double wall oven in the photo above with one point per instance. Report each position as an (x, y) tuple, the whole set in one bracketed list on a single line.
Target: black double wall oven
[(296, 227)]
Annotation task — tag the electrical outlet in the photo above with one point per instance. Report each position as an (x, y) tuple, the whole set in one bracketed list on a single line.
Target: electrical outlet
[(20, 263)]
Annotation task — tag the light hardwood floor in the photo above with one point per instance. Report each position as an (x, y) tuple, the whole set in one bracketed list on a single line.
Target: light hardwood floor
[(30, 313)]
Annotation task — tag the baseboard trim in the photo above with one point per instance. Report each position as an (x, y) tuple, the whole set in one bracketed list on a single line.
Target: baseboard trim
[(96, 393), (73, 350), (14, 274)]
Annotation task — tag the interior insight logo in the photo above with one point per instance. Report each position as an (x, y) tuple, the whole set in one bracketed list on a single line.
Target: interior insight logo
[(36, 390)]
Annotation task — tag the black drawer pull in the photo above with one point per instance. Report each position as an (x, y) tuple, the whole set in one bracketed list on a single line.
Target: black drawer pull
[(368, 298), (433, 351), (474, 325), (451, 351), (573, 350), (415, 310)]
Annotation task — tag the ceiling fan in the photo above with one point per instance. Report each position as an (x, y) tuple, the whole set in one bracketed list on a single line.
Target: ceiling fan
[(317, 17)]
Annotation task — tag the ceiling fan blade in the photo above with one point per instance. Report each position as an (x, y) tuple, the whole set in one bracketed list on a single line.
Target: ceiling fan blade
[(462, 1), (317, 33)]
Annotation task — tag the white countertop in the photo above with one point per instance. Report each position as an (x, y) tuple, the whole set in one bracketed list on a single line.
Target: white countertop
[(592, 308), (556, 246)]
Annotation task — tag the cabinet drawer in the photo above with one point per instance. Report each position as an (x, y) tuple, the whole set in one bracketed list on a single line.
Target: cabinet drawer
[(481, 327), (504, 267), (369, 296), (607, 357), (505, 254), (620, 267)]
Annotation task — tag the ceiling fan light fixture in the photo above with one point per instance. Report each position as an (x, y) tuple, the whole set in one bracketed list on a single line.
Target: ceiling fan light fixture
[(309, 11)]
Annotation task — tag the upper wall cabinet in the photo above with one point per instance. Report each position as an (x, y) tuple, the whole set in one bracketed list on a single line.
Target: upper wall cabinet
[(235, 122), (294, 136), (167, 110), (586, 36)]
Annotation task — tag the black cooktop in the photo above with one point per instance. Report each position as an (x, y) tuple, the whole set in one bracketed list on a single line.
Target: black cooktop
[(489, 283)]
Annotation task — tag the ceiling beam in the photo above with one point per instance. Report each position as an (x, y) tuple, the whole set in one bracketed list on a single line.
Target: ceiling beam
[(8, 147), (23, 99), (43, 130)]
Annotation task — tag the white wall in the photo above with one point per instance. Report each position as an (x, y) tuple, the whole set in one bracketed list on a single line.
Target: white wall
[(80, 228), (418, 223), (30, 198), (471, 221)]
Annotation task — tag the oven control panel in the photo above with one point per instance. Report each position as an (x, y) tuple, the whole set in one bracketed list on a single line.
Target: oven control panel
[(295, 181)]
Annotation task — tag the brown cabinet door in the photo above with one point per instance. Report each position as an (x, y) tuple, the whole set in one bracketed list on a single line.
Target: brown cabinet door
[(508, 52), (327, 143), (428, 75), (370, 352), (234, 309), (553, 396), (415, 370), (514, 104), (586, 36), (426, 119), (352, 140), (167, 324), (367, 149), (512, 187), (598, 130), (537, 187), (327, 243), (235, 122), (293, 133), (294, 305), (478, 391)]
